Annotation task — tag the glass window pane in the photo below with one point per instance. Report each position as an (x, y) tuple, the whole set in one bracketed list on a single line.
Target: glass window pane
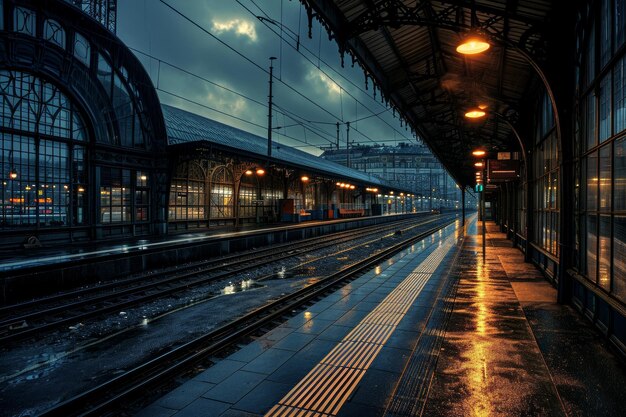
[(620, 23), (592, 182), (24, 21), (590, 121), (604, 256), (1, 15), (619, 258), (105, 74), (605, 178), (82, 49), (53, 32), (605, 32), (619, 95), (592, 240), (619, 179), (591, 52), (605, 109), (40, 175)]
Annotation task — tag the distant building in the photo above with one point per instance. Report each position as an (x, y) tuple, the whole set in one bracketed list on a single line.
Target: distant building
[(408, 166)]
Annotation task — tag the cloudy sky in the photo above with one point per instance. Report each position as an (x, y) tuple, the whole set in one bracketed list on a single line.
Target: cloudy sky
[(211, 57)]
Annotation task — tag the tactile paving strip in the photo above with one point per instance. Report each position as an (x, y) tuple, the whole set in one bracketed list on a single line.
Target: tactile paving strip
[(324, 390)]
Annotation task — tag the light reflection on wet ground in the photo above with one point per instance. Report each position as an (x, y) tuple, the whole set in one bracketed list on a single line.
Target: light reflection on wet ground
[(511, 350)]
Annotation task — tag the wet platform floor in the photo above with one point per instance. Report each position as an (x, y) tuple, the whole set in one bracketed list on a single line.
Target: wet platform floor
[(434, 332)]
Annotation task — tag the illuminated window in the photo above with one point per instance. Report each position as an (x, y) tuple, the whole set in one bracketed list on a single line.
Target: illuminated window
[(41, 139)]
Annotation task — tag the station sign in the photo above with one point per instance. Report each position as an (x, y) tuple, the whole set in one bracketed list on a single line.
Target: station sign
[(503, 170)]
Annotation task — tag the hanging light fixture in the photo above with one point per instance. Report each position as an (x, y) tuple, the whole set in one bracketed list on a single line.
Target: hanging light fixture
[(473, 45), (475, 113)]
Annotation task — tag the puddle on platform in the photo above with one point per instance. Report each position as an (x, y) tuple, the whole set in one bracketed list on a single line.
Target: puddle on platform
[(245, 285)]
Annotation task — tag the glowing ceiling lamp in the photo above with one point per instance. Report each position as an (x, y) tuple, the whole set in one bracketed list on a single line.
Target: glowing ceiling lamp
[(475, 113), (473, 45)]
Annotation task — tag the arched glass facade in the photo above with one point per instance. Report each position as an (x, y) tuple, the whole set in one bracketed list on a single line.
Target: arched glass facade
[(43, 154), (601, 152)]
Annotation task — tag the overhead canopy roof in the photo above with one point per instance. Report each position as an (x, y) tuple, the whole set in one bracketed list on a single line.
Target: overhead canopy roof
[(409, 48), (185, 127)]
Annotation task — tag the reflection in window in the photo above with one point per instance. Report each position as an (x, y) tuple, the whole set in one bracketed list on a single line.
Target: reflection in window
[(187, 193), (222, 193), (592, 246), (591, 64), (592, 181), (620, 23), (53, 32), (605, 109), (619, 95), (604, 255), (130, 130), (619, 179), (590, 121), (605, 179), (142, 197), (605, 32), (24, 21), (115, 195), (39, 178), (82, 49), (619, 257)]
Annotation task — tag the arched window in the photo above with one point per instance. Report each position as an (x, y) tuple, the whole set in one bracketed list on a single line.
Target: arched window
[(53, 32), (43, 168), (222, 193), (187, 192)]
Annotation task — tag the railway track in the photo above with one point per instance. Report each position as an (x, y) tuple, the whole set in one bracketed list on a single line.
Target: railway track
[(105, 398), (36, 317)]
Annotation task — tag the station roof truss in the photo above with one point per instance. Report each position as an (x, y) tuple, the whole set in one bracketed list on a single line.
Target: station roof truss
[(407, 48), (184, 127)]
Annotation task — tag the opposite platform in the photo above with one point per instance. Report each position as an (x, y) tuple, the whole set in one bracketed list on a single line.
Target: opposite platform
[(435, 331)]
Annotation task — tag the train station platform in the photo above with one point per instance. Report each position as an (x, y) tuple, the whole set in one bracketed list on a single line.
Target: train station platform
[(35, 272), (436, 331)]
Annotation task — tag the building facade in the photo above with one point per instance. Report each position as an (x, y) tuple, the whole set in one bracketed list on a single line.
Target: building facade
[(410, 166)]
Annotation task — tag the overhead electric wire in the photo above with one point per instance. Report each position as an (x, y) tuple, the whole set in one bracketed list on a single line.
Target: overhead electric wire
[(268, 18), (232, 116), (299, 120), (245, 57), (258, 66)]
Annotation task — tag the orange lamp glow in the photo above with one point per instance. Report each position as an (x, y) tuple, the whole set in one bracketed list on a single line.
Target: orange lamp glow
[(473, 46), (479, 153), (260, 171), (475, 114)]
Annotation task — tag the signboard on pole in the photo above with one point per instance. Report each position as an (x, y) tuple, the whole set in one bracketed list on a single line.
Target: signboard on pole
[(503, 170)]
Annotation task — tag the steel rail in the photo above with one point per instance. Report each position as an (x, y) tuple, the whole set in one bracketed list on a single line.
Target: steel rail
[(110, 394)]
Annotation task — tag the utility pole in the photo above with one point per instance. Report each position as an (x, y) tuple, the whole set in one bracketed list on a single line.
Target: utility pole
[(269, 114), (348, 144)]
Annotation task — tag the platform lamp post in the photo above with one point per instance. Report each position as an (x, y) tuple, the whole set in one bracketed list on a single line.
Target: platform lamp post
[(480, 113), (481, 154), (477, 44)]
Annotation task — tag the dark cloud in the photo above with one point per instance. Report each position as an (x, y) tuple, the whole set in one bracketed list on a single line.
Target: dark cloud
[(154, 28)]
